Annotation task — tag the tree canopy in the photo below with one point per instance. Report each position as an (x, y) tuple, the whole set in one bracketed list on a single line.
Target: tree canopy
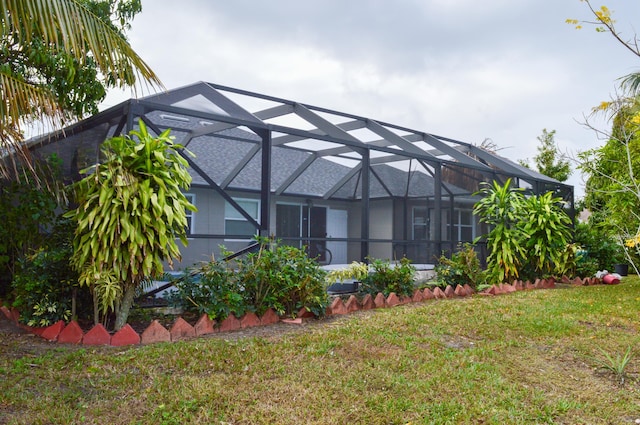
[(549, 161), (57, 60), (613, 173), (612, 184)]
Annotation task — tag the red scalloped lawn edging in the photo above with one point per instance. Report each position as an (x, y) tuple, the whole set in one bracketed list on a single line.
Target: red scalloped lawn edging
[(71, 333)]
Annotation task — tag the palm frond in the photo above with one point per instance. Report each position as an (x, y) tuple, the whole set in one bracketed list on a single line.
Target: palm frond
[(21, 102), (70, 26), (631, 83)]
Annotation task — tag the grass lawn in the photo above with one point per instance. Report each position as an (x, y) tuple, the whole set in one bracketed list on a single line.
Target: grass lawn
[(528, 357)]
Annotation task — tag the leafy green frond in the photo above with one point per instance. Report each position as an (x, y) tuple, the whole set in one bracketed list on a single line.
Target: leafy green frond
[(72, 27)]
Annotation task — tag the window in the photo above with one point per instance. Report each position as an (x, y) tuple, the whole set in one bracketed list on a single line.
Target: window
[(303, 225), (420, 224), (463, 228), (191, 198), (235, 224), (463, 224)]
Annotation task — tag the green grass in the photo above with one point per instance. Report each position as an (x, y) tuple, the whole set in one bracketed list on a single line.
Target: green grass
[(529, 357)]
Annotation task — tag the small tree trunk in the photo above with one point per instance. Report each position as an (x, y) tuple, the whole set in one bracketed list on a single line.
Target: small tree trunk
[(122, 312), (96, 309), (74, 296)]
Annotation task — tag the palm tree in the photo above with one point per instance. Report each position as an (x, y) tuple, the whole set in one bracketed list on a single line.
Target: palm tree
[(631, 84), (65, 27)]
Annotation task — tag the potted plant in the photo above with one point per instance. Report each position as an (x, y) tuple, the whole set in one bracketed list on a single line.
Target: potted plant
[(620, 265)]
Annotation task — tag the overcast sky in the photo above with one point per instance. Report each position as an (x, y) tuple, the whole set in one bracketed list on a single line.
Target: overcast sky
[(464, 69)]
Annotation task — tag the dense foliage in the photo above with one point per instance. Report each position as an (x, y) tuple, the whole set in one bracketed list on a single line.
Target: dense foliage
[(131, 210), (28, 216), (598, 251), (461, 269), (528, 236), (284, 278), (387, 278), (549, 161), (57, 60), (44, 286), (613, 185), (277, 276), (210, 288)]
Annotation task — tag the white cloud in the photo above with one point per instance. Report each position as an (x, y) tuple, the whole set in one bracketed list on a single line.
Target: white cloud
[(464, 69)]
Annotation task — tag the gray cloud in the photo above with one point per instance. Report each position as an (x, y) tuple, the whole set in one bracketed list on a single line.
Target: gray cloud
[(465, 69)]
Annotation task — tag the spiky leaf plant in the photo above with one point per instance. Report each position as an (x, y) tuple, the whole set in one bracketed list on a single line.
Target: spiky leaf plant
[(131, 210)]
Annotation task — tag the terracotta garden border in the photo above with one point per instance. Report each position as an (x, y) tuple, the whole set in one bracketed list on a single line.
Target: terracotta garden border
[(71, 333)]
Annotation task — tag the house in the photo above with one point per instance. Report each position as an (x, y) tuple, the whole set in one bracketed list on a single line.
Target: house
[(347, 187)]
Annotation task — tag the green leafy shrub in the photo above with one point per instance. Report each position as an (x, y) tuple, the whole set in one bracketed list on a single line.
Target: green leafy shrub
[(27, 211), (462, 268), (529, 236), (210, 289), (586, 266), (283, 278), (280, 277), (385, 278), (43, 287), (597, 249)]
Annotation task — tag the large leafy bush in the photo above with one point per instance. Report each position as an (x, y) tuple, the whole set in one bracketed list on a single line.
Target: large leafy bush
[(131, 211), (599, 251), (210, 288), (283, 278), (45, 286), (27, 214), (277, 276), (387, 278), (528, 236), (462, 268)]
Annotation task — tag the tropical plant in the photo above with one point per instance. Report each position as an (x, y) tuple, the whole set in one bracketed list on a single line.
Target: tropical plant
[(529, 236), (547, 232), (386, 278), (131, 210), (461, 269), (26, 212), (501, 208), (57, 59), (282, 277), (210, 288)]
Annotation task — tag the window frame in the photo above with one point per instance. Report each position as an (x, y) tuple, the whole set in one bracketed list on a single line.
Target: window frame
[(190, 215), (241, 218)]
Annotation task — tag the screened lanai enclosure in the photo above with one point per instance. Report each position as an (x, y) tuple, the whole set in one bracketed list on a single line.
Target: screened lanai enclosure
[(344, 186)]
